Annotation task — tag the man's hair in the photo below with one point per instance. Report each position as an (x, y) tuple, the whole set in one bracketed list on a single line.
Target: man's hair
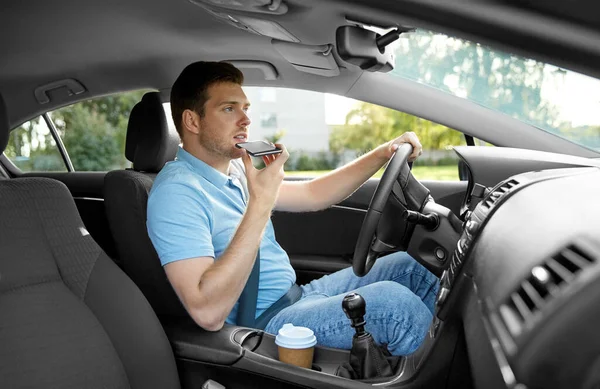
[(190, 90)]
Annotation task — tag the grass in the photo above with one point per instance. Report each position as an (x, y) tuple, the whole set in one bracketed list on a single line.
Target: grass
[(437, 173)]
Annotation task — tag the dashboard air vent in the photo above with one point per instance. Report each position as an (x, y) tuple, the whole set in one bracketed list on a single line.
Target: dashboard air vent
[(499, 192), (545, 282)]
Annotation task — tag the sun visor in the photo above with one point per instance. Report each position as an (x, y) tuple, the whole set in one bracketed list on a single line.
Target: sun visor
[(309, 59), (235, 13), (254, 25)]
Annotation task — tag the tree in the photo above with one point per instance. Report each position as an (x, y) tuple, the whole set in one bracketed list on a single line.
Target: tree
[(92, 142), (32, 148), (94, 131), (368, 125), (116, 109)]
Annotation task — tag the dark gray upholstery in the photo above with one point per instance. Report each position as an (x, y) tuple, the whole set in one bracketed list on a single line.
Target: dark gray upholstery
[(69, 317), (126, 198), (150, 142)]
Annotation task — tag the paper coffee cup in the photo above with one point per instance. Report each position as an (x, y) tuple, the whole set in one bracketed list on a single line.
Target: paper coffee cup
[(296, 345)]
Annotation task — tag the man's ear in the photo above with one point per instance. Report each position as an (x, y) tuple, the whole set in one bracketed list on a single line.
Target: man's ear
[(190, 121)]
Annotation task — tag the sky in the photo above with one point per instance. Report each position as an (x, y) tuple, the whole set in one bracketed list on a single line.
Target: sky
[(336, 108)]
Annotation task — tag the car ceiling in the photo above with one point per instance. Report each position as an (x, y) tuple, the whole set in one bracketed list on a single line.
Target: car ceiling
[(118, 45), (124, 45)]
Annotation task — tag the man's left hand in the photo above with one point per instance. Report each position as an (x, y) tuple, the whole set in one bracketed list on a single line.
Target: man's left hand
[(386, 150)]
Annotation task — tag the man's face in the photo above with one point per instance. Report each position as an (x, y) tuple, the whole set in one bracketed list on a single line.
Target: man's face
[(225, 120)]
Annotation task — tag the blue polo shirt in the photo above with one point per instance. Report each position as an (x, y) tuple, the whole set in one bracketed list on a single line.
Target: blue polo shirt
[(194, 210)]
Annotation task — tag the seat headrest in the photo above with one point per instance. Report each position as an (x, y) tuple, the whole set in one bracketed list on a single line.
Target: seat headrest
[(150, 141), (3, 125)]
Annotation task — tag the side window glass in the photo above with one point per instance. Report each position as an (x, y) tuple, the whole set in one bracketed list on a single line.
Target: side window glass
[(94, 131), (32, 148), (479, 142), (323, 132)]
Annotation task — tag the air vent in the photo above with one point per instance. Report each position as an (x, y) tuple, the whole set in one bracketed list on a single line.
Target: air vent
[(499, 192), (544, 283)]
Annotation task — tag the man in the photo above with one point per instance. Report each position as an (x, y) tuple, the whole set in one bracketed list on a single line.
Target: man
[(207, 226)]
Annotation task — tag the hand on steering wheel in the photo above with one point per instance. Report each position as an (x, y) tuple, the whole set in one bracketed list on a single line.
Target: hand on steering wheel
[(408, 194)]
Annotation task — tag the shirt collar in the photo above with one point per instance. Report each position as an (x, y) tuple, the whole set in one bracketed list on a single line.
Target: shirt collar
[(205, 170)]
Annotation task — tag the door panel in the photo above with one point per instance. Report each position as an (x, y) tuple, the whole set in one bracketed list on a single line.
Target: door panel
[(87, 191), (323, 242)]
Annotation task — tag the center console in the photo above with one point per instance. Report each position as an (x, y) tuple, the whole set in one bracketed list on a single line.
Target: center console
[(255, 353)]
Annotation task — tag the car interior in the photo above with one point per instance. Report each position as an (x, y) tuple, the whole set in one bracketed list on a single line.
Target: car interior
[(85, 303)]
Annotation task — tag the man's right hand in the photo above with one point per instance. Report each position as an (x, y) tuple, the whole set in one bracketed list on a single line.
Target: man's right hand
[(263, 184)]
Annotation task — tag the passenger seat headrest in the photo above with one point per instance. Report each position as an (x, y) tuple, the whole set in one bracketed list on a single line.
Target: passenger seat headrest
[(4, 130), (151, 141)]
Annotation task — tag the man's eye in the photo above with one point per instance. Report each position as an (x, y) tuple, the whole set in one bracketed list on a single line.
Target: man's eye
[(246, 109), (228, 109)]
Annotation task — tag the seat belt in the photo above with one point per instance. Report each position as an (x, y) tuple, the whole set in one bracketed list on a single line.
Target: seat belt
[(247, 303), (246, 316)]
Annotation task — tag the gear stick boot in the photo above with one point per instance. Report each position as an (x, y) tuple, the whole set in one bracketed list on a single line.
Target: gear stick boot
[(367, 360)]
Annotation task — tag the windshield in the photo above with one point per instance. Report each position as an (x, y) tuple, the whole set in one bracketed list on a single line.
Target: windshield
[(556, 100)]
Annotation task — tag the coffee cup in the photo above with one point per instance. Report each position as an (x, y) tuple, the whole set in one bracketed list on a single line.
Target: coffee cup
[(296, 345)]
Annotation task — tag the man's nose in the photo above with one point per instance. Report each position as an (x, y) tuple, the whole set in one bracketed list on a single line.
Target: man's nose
[(245, 120)]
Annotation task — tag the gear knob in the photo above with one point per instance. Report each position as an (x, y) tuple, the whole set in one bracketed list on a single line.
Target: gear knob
[(354, 307)]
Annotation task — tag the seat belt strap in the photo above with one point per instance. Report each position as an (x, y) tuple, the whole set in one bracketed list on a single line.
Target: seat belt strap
[(247, 303), (246, 316), (290, 297)]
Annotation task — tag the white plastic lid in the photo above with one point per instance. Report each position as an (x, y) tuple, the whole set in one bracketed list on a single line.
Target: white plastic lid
[(290, 336)]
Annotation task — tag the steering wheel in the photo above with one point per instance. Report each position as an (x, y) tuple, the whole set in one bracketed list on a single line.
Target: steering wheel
[(408, 194)]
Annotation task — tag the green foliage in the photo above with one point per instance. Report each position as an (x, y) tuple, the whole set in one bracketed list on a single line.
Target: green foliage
[(322, 161), (94, 131), (32, 148), (92, 142), (368, 126)]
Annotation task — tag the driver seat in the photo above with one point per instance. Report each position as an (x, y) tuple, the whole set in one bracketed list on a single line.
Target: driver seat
[(69, 317), (150, 143)]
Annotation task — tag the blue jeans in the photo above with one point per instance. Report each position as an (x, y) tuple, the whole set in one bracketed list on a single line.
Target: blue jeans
[(399, 293)]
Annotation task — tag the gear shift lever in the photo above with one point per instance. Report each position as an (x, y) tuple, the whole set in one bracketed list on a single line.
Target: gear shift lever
[(354, 307), (367, 360)]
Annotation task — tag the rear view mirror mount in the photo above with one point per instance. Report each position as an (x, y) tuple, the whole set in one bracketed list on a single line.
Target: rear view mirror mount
[(366, 49)]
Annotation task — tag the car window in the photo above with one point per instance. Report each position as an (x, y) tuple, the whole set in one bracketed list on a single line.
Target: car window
[(31, 147), (324, 131), (556, 100), (94, 131)]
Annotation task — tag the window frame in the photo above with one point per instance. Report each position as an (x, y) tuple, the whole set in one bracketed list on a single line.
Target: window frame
[(59, 142), (14, 171)]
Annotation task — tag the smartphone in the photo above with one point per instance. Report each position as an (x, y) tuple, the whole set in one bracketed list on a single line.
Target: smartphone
[(258, 148)]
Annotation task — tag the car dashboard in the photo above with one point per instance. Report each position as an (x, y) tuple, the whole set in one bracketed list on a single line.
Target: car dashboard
[(524, 280)]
